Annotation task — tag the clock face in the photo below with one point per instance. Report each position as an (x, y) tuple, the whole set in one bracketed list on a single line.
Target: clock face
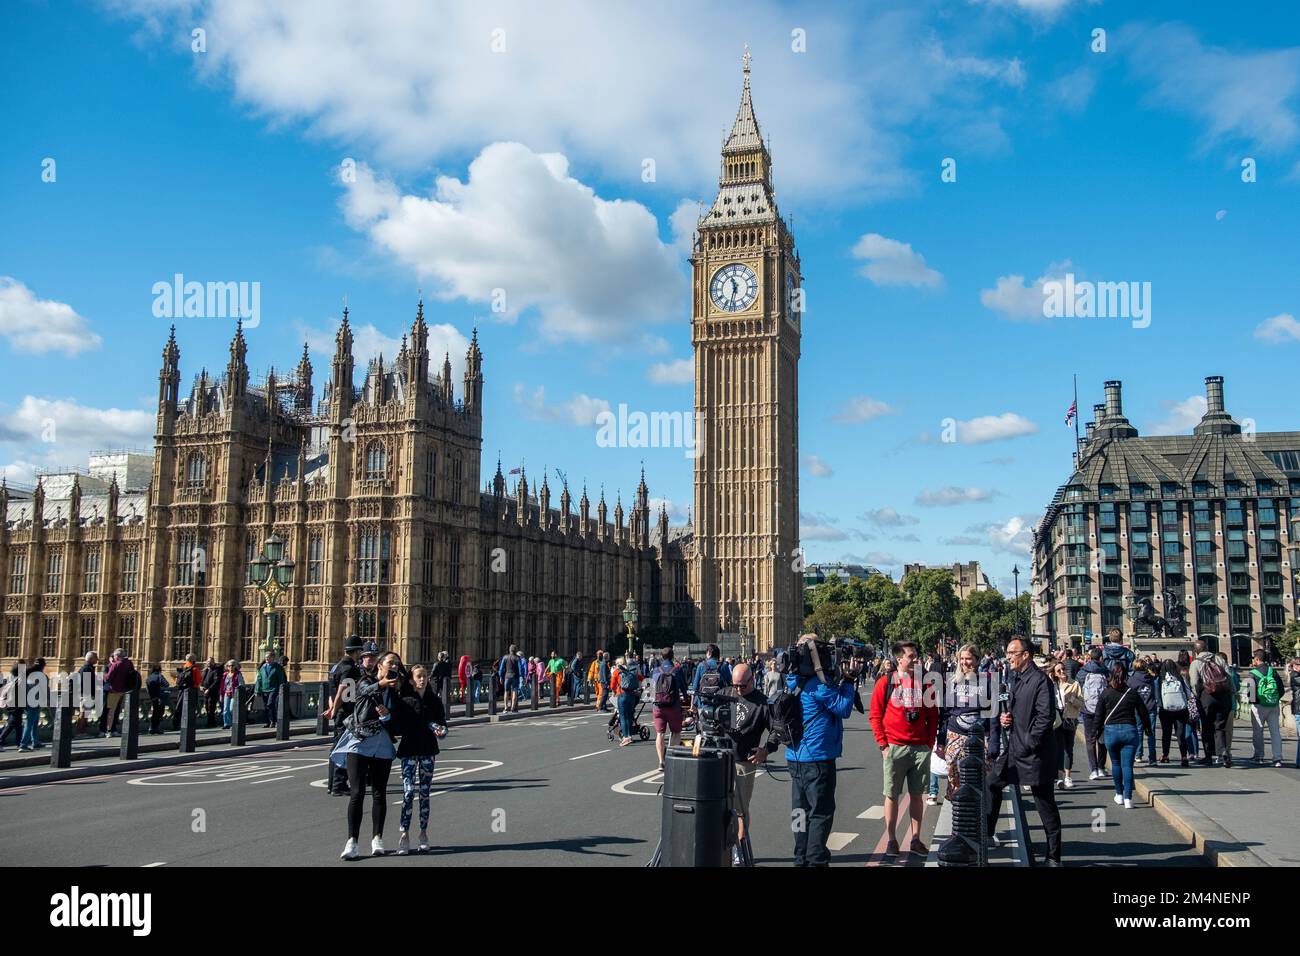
[(734, 288), (794, 297)]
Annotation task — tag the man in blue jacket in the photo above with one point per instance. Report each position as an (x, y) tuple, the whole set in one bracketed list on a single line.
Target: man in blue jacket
[(824, 704)]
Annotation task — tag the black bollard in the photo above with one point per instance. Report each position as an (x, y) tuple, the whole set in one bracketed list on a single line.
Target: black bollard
[(61, 741), (282, 713), (189, 701), (445, 692), (586, 693), (469, 698), (536, 692), (130, 726), (966, 846), (323, 698), (238, 719), (492, 695)]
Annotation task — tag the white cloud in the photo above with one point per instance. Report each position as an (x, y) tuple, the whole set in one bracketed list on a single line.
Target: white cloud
[(877, 559), (60, 433), (1246, 97), (816, 467), (1011, 297), (683, 222), (677, 513), (888, 518), (952, 495), (677, 372), (580, 410), (818, 527), (418, 85), (368, 342), (522, 234), (890, 262), (1073, 90), (862, 408), (1013, 536), (987, 428), (1043, 8), (1009, 72), (1279, 328), (36, 326), (1182, 416)]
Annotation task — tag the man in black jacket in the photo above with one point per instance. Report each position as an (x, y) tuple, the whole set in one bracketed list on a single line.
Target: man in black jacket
[(1031, 751), (211, 686)]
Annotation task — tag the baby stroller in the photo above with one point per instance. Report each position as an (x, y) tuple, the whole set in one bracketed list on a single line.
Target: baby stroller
[(638, 729)]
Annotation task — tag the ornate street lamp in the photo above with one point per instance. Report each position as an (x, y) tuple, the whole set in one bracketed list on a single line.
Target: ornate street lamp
[(630, 617), (272, 573), (744, 642)]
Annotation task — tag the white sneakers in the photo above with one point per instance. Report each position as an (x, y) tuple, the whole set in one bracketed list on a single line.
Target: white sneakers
[(1094, 775), (1128, 804), (424, 841), (1118, 798), (403, 845), (931, 801), (349, 850), (376, 846), (1069, 784)]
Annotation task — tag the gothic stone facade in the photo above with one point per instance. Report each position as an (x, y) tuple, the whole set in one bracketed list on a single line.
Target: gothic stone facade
[(375, 492)]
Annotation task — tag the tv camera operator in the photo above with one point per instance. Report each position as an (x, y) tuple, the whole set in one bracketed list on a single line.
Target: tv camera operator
[(825, 691)]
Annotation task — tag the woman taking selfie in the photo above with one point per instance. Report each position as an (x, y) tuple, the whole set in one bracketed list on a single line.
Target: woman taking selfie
[(366, 749), (421, 722)]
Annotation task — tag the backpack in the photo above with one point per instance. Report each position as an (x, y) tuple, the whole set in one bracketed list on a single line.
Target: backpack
[(666, 694), (785, 715), (1173, 696), (1147, 694), (710, 681), (1213, 677), (1266, 689), (1093, 685), (629, 681)]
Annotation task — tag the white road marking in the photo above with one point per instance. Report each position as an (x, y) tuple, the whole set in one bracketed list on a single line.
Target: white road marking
[(872, 813), (653, 777), (148, 865), (458, 747), (838, 841), (593, 753)]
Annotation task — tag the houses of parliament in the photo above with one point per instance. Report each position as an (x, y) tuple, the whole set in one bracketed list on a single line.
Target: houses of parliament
[(378, 495)]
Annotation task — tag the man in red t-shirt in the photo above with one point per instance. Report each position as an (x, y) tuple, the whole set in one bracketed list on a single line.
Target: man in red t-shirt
[(905, 725)]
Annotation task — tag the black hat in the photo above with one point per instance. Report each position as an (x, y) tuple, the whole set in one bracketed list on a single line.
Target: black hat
[(370, 648), (354, 643)]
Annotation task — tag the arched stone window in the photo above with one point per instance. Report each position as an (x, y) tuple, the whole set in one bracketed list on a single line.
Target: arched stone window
[(196, 469), (376, 460)]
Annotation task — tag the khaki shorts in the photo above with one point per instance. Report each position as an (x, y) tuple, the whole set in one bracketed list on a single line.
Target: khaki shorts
[(906, 763)]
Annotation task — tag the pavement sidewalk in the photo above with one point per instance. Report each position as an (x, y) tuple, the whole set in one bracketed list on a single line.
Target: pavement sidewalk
[(1235, 817)]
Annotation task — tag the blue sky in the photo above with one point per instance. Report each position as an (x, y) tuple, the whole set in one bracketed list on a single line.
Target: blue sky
[(504, 147)]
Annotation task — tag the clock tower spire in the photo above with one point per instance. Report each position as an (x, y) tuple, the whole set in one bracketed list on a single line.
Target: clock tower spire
[(745, 328)]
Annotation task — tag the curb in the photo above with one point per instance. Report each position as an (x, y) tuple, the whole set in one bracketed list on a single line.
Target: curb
[(306, 739), (1212, 841)]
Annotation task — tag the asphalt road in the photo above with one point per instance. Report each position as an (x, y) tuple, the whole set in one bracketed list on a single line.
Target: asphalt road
[(547, 791)]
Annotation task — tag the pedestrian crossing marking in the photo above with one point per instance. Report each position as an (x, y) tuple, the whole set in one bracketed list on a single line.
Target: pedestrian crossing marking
[(872, 813), (838, 841)]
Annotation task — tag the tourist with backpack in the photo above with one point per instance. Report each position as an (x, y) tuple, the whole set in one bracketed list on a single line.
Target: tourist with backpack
[(1208, 677), (1092, 681), (712, 675), (1264, 691), (1173, 701), (670, 698), (1142, 684), (270, 684), (626, 684), (906, 726), (366, 749), (1114, 652)]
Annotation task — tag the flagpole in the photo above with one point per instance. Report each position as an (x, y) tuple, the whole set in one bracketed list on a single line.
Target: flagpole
[(1076, 411)]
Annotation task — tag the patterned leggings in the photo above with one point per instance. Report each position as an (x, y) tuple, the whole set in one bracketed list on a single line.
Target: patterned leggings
[(413, 769)]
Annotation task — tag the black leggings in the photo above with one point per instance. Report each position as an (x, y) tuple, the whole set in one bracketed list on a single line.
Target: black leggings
[(375, 770), (1174, 721)]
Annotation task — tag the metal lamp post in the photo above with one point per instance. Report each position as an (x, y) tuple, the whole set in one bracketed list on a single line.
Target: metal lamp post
[(272, 572), (1015, 573), (630, 618), (744, 642), (1293, 551)]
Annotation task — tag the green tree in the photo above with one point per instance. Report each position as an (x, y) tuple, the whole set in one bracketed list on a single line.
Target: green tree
[(984, 618), (883, 601), (930, 614)]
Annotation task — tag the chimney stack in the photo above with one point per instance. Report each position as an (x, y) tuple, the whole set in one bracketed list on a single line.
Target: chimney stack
[(1214, 393), (1114, 406), (1216, 421)]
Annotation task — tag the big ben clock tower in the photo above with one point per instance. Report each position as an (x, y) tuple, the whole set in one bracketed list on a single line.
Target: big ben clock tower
[(747, 303)]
